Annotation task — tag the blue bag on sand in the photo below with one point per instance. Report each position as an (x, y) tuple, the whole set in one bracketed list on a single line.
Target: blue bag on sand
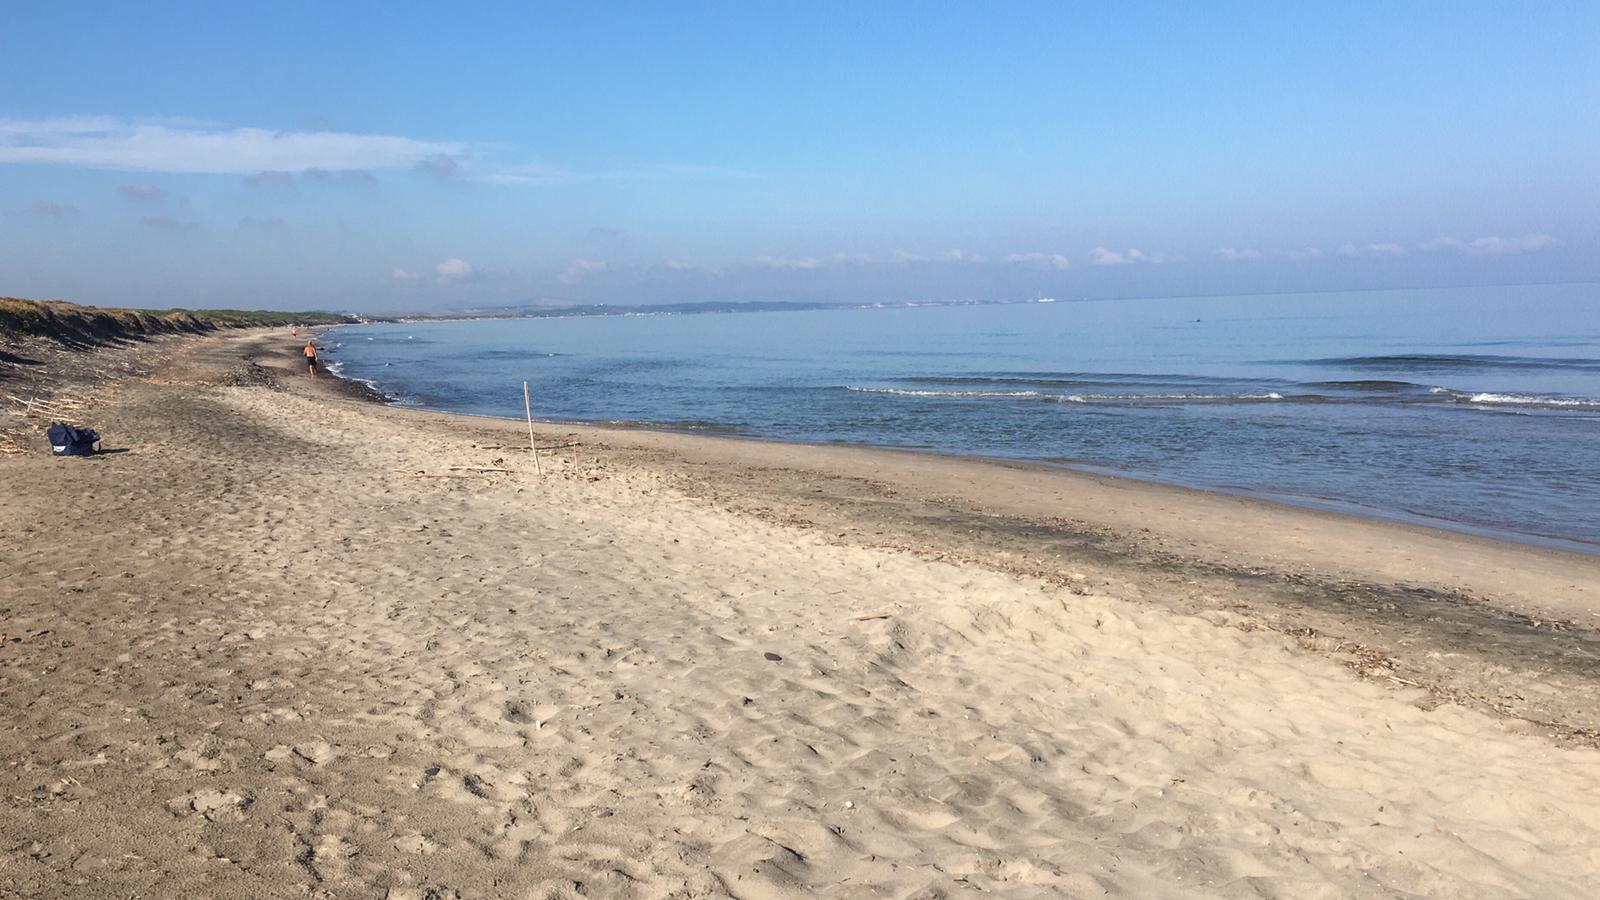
[(66, 440)]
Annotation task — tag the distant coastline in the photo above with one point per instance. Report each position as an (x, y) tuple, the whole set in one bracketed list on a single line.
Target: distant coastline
[(594, 310)]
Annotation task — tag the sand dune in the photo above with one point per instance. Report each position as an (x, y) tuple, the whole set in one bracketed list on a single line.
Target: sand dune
[(257, 656)]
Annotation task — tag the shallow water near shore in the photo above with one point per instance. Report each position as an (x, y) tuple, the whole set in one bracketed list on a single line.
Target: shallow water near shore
[(1477, 408)]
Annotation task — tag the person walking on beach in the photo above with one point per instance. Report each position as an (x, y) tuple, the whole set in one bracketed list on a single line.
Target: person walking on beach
[(311, 358)]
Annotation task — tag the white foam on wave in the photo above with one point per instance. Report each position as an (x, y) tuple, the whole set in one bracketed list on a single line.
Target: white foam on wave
[(336, 369), (1524, 400), (1062, 398), (904, 393)]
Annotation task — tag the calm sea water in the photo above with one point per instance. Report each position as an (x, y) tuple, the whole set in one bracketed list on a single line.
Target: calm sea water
[(1474, 408)]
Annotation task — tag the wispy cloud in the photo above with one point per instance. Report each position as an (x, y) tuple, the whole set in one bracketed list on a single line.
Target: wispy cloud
[(581, 269), (1042, 260), (167, 223), (269, 177), (1237, 254), (1372, 250), (122, 145), (317, 174), (783, 263), (251, 223), (144, 194), (439, 165), (49, 209), (1496, 246), (404, 276), (1302, 253), (339, 176), (527, 175), (455, 270)]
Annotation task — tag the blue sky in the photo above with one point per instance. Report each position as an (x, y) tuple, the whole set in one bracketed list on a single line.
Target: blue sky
[(387, 156)]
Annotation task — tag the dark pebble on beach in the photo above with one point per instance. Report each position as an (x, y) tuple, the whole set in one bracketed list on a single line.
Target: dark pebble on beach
[(773, 656)]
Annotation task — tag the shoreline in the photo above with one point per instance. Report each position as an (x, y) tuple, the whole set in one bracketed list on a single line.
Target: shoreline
[(317, 644), (1330, 505), (1371, 530)]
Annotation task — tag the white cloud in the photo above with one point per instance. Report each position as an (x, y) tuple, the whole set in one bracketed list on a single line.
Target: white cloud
[(854, 259), (581, 269), (788, 264), (958, 256), (949, 256), (403, 275), (122, 145), (1237, 254), (1042, 260), (1101, 256), (455, 270), (1496, 246), (1379, 250), (678, 265)]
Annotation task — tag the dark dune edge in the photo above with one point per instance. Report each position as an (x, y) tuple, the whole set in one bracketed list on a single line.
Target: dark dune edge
[(83, 327)]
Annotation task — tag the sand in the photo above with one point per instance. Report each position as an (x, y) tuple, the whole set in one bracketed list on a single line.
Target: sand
[(281, 648)]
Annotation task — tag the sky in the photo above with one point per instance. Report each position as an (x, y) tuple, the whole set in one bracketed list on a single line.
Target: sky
[(403, 157)]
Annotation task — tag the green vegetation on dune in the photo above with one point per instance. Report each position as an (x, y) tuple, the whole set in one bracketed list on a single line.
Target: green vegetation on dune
[(252, 318), (85, 326)]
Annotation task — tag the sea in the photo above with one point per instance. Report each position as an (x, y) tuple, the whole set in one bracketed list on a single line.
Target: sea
[(1475, 409)]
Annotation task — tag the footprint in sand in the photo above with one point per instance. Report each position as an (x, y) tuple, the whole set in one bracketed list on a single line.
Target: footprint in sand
[(213, 804), (316, 753)]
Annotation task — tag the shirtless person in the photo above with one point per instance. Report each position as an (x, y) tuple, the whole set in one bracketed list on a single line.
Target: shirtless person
[(311, 358)]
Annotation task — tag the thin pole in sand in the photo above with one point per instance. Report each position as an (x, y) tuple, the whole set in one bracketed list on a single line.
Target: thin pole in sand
[(527, 405)]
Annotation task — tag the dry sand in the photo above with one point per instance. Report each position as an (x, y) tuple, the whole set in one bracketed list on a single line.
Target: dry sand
[(260, 655)]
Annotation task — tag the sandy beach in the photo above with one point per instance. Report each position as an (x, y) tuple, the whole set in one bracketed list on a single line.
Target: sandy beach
[(296, 643)]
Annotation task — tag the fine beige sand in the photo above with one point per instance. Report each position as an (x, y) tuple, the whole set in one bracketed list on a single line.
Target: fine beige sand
[(283, 647)]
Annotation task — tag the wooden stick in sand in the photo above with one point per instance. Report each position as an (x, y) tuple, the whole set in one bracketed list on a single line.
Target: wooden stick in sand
[(527, 406)]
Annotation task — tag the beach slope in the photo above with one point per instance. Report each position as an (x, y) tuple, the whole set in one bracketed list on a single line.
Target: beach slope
[(296, 643)]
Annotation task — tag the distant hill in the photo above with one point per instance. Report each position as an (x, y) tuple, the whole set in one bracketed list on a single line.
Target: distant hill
[(75, 325)]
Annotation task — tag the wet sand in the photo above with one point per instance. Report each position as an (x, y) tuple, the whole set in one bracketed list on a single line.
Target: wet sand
[(296, 643)]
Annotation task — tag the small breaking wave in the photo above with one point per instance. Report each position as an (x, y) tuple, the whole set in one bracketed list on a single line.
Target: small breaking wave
[(336, 369), (1376, 386), (1075, 398), (1456, 362)]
